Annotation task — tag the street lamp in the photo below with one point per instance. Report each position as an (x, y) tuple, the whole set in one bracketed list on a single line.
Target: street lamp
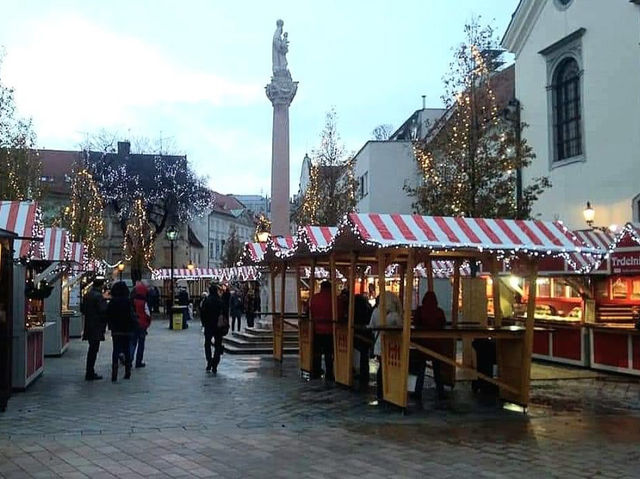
[(172, 234), (589, 214), (191, 266), (121, 269)]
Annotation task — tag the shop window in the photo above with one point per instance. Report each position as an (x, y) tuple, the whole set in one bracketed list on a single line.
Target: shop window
[(544, 287), (559, 289), (635, 289), (619, 289), (602, 289)]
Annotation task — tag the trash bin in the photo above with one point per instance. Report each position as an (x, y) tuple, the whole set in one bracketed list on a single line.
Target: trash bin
[(177, 317), (485, 360)]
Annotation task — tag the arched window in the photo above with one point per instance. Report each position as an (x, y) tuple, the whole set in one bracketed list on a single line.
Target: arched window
[(567, 114)]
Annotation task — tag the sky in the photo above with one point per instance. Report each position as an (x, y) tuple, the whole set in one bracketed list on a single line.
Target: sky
[(193, 72)]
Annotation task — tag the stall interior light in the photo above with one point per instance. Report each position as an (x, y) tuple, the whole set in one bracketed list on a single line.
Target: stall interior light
[(514, 282), (121, 267)]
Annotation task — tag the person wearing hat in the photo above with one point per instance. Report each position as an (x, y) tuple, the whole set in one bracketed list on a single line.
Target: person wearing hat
[(210, 318)]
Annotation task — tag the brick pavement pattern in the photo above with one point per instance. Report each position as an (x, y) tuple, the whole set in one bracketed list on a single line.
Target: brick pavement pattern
[(257, 418)]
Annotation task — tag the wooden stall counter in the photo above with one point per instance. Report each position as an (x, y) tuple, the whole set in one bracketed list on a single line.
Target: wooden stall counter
[(615, 347)]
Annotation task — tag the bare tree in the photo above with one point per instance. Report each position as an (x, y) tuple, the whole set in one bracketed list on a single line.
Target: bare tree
[(382, 132)]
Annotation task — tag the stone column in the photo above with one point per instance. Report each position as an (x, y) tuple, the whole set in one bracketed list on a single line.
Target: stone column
[(280, 92)]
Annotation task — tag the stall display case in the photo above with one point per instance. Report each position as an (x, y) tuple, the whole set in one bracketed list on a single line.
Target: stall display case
[(614, 337), (56, 333)]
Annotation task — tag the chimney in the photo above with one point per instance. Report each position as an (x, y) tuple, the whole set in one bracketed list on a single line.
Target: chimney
[(424, 101), (124, 148)]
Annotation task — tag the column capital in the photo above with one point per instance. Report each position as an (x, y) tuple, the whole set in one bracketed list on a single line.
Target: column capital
[(281, 90)]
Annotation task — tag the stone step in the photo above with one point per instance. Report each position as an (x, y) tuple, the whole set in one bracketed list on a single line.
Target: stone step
[(240, 342), (262, 337), (230, 349)]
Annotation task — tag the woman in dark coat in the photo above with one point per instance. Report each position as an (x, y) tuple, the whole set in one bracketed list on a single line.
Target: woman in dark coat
[(122, 323), (211, 311)]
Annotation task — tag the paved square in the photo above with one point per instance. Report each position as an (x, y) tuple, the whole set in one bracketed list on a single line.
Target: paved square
[(257, 418)]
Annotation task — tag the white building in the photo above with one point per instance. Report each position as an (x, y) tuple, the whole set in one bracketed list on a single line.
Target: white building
[(577, 77), (383, 168), (227, 213)]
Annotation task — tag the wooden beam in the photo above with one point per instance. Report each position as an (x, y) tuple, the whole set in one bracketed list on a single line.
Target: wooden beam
[(382, 304), (429, 267), (452, 362), (334, 289), (456, 292), (312, 279), (497, 310), (527, 347)]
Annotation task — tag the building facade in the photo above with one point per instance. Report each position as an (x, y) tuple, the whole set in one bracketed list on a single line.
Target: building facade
[(257, 204), (227, 213), (577, 70)]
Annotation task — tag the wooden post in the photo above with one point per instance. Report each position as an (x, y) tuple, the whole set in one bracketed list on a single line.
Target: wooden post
[(497, 310), (402, 277), (382, 304), (334, 307), (455, 293), (429, 267), (406, 328), (274, 308), (302, 337), (343, 352), (527, 348)]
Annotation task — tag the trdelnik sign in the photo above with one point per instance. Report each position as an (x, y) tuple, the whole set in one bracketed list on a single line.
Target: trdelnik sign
[(625, 262)]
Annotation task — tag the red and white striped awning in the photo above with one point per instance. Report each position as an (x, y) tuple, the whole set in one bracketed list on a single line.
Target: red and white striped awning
[(56, 244), (318, 238), (77, 253), (592, 238), (458, 233), (254, 252), (24, 219), (236, 273)]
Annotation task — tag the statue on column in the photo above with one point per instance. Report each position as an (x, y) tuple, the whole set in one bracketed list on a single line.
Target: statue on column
[(280, 47)]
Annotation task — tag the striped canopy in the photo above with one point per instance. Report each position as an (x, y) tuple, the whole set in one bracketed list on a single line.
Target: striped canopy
[(458, 233), (24, 219), (237, 273), (318, 238), (253, 252), (56, 244)]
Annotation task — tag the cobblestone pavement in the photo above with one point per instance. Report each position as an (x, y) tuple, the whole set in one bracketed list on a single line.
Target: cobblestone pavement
[(257, 418)]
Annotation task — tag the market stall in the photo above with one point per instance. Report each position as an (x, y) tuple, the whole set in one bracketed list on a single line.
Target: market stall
[(56, 306), (24, 218), (411, 239), (6, 325)]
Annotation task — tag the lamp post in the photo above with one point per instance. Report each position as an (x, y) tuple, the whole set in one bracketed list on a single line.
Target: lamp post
[(172, 234), (120, 269), (589, 214)]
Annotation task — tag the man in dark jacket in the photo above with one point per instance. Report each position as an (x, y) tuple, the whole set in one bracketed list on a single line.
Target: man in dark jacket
[(211, 311), (122, 322), (94, 307)]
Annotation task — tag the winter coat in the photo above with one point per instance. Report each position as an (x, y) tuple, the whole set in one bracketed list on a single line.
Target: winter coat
[(211, 310), (183, 297), (140, 305), (235, 307), (393, 319), (430, 316), (94, 308), (120, 316), (226, 300), (321, 312)]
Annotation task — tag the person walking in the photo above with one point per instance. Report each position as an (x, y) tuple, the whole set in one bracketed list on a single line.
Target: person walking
[(121, 321), (94, 308), (320, 310), (153, 299), (235, 310), (141, 309), (183, 300), (212, 321), (250, 307)]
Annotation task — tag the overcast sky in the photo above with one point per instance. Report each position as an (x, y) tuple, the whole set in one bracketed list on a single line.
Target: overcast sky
[(194, 71)]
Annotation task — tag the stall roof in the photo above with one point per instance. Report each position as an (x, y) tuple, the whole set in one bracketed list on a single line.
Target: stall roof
[(254, 252), (23, 218), (438, 233), (77, 253), (318, 238), (56, 244), (236, 273)]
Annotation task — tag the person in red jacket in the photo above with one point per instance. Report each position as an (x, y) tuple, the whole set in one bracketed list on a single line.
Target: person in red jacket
[(142, 313), (322, 317), (428, 316)]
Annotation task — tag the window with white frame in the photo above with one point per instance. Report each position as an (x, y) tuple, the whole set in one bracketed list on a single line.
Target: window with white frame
[(363, 185)]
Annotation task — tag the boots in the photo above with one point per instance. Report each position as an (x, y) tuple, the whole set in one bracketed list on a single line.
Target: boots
[(127, 371), (114, 372)]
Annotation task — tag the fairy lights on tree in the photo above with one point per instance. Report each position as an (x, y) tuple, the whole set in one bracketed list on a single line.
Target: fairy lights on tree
[(84, 215), (20, 166), (138, 240), (331, 192), (470, 159)]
